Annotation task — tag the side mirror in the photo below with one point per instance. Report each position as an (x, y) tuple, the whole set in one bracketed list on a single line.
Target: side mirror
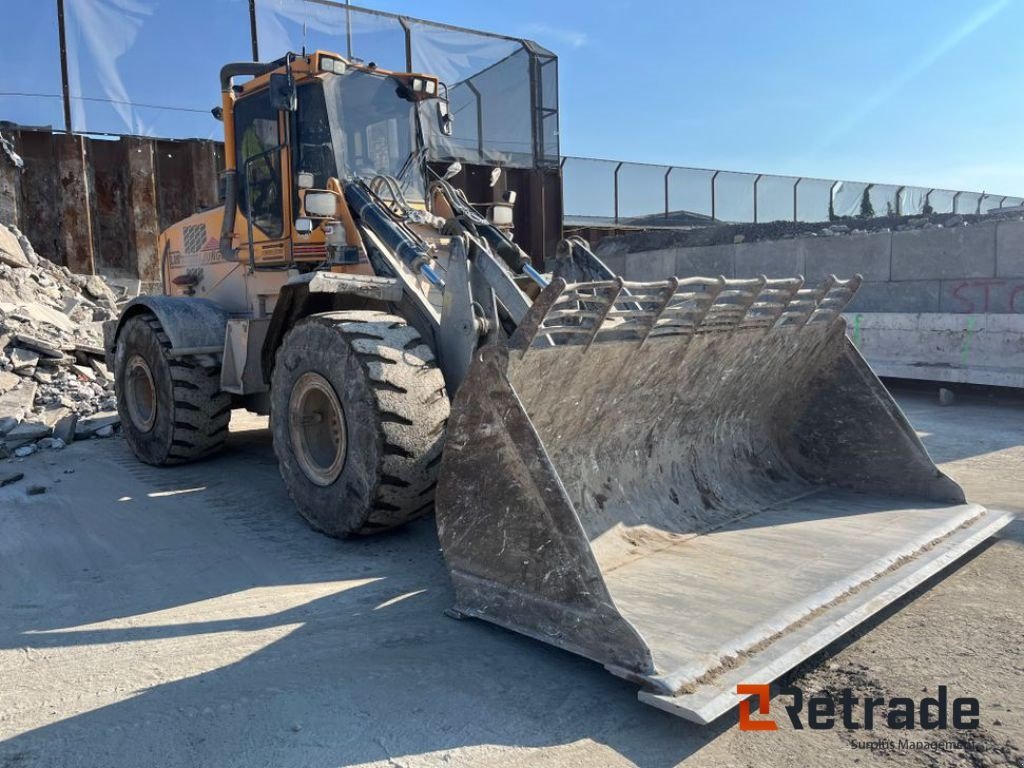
[(303, 226), (283, 95), (321, 203), (444, 118)]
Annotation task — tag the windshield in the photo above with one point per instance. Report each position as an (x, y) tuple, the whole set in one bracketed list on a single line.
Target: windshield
[(376, 132)]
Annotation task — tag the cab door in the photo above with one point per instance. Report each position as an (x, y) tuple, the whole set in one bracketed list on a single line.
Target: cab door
[(262, 163)]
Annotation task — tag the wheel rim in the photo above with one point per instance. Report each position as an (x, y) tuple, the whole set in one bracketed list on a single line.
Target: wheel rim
[(316, 422), (140, 394)]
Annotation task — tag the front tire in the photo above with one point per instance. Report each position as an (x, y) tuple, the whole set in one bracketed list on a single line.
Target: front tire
[(358, 413), (172, 409)]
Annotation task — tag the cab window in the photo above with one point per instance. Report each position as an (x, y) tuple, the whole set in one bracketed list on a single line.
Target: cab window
[(258, 160), (313, 128)]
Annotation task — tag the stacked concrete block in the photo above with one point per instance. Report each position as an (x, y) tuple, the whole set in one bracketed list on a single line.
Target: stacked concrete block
[(942, 304), (961, 252), (975, 269)]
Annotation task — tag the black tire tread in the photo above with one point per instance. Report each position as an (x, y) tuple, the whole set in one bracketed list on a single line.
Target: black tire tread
[(202, 410), (411, 412)]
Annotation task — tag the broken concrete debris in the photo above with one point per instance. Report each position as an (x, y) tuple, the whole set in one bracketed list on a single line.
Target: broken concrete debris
[(23, 361), (11, 251), (55, 386), (6, 478), (7, 148), (98, 424)]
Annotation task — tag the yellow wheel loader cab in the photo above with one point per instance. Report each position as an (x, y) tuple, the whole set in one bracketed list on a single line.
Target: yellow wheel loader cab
[(696, 483)]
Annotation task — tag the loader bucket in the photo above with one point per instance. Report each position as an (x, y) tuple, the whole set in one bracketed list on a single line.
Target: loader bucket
[(697, 483)]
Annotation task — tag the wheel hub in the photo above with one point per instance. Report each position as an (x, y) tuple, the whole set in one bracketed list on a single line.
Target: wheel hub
[(140, 394), (316, 423)]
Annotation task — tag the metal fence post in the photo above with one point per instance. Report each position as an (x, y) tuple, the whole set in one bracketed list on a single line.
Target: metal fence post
[(755, 195), (252, 31), (65, 89), (899, 204), (616, 181), (795, 213), (404, 22), (956, 199), (348, 30), (832, 199), (667, 174), (713, 177), (479, 116)]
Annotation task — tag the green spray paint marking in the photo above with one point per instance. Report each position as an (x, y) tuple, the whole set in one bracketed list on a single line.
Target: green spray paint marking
[(856, 330), (967, 341)]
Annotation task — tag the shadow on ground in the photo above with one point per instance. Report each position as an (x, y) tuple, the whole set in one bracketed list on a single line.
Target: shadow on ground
[(367, 669), (188, 617), (979, 420)]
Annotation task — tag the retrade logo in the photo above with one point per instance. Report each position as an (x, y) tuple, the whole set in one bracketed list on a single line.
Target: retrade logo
[(825, 711), (763, 692)]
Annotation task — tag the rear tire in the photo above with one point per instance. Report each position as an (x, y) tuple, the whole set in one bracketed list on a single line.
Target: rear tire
[(358, 413), (172, 409)]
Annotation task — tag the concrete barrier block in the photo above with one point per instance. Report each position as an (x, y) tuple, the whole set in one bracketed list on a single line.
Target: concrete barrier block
[(1009, 248), (906, 296), (983, 295), (706, 261), (774, 258), (961, 252), (980, 349), (650, 265), (847, 255)]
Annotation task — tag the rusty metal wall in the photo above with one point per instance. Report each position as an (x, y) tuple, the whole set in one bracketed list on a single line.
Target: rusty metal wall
[(97, 204)]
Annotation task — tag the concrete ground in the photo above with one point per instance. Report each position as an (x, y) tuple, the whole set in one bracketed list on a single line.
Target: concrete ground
[(187, 617)]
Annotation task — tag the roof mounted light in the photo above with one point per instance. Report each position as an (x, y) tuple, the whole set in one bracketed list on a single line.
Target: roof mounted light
[(332, 64), (422, 87)]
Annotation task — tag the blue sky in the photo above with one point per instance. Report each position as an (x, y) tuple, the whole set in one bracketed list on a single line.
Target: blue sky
[(923, 93)]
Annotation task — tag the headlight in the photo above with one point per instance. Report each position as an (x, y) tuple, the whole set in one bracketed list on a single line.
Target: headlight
[(431, 87), (418, 84)]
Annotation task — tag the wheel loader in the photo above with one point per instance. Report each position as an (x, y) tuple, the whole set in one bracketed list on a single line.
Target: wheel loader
[(696, 482)]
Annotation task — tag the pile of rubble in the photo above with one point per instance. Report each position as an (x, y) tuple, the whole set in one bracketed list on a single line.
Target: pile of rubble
[(54, 384)]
